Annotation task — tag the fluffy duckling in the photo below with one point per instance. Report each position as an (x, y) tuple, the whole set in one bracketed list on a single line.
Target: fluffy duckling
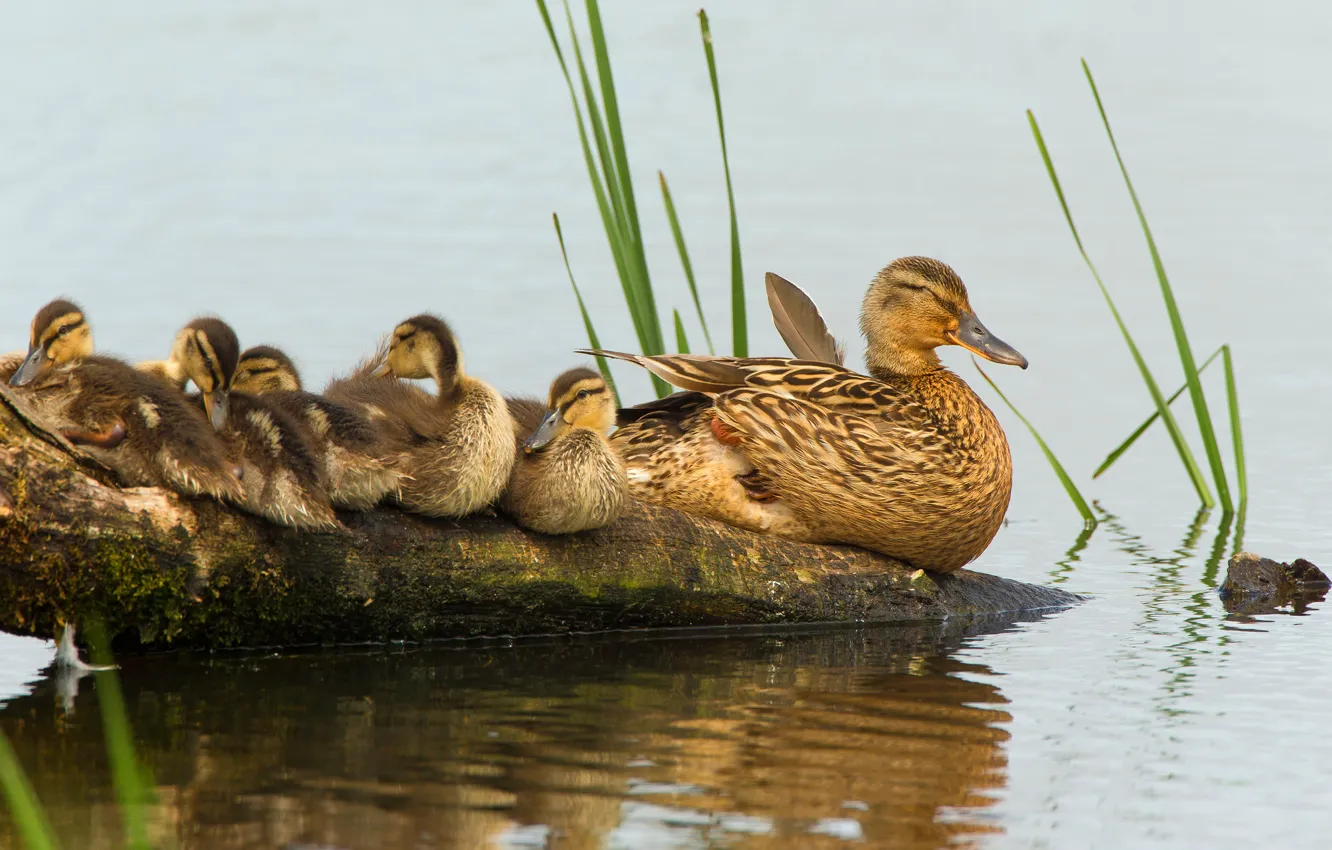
[(138, 426), (567, 478), (281, 468), (456, 446), (354, 472)]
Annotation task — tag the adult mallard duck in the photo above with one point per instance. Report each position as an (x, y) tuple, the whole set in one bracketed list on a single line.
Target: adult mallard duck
[(567, 478), (281, 468), (355, 472), (906, 461), (456, 445), (138, 426)]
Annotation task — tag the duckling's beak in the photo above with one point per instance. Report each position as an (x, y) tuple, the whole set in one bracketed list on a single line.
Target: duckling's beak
[(215, 403), (546, 432), (34, 365), (382, 371), (976, 338)]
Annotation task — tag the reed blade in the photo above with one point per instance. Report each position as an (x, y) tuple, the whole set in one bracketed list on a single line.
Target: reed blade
[(1142, 429), (681, 340), (602, 366), (1186, 360), (594, 176), (1088, 518), (25, 809), (133, 792), (1236, 432), (1162, 409), (637, 259), (739, 321), (684, 258)]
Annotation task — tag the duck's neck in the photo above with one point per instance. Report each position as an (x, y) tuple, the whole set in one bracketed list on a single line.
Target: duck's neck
[(890, 361)]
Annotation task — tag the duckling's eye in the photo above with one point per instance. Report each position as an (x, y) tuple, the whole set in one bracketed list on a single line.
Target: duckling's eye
[(64, 330), (582, 394)]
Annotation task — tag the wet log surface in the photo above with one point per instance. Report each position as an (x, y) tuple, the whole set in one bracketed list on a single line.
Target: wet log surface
[(165, 571)]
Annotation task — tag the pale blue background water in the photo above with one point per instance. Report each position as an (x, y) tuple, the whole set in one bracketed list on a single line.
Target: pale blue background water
[(315, 172)]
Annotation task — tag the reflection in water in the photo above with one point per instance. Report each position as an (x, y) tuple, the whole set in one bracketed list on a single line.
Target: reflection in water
[(783, 740)]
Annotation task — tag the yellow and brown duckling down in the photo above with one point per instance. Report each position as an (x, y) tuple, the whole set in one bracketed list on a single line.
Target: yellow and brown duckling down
[(143, 429), (907, 461), (355, 471), (456, 446), (281, 469), (567, 478)]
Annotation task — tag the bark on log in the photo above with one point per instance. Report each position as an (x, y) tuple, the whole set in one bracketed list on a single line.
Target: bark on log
[(164, 571)]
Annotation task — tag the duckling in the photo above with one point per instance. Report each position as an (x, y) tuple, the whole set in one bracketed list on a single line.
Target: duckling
[(906, 460), (457, 446), (138, 426), (354, 474), (281, 468), (567, 478)]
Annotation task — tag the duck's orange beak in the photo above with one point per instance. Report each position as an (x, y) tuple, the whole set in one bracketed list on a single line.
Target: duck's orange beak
[(976, 338)]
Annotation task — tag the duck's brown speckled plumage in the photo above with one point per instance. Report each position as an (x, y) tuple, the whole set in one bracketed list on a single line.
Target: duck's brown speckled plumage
[(354, 468), (455, 446), (281, 467), (574, 481), (138, 426), (907, 461)]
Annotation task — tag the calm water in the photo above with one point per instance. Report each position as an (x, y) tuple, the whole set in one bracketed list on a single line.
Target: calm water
[(316, 171)]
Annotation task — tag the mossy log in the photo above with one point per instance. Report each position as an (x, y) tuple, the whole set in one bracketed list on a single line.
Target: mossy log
[(163, 571)]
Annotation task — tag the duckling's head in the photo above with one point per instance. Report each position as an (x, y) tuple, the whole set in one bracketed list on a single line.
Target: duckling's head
[(60, 335), (578, 399), (264, 369), (424, 347), (914, 306), (207, 352)]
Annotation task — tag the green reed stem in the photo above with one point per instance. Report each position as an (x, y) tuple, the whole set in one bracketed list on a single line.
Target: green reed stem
[(1162, 409), (681, 340), (602, 365), (1236, 432), (1142, 429), (1088, 518), (684, 258), (1186, 360), (26, 810), (739, 322), (127, 775)]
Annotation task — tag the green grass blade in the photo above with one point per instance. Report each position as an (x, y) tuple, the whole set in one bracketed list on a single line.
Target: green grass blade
[(636, 260), (612, 106), (602, 365), (24, 808), (739, 321), (1237, 434), (1088, 518), (594, 177), (1142, 429), (132, 791), (617, 236), (681, 341), (1162, 409), (684, 258), (1176, 321), (605, 172)]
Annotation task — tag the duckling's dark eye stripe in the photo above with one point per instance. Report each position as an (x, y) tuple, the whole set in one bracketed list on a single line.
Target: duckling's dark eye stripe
[(210, 363), (58, 331)]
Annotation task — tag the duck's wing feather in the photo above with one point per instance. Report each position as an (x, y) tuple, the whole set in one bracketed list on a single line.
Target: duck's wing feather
[(800, 323), (687, 371)]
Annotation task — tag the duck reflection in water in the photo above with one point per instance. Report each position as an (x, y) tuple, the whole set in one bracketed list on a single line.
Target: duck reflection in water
[(871, 732)]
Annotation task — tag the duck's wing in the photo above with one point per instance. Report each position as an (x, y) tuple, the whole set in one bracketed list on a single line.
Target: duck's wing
[(800, 323), (695, 372)]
